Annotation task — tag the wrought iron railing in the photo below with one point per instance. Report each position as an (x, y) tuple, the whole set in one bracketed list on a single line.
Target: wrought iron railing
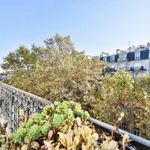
[(12, 100)]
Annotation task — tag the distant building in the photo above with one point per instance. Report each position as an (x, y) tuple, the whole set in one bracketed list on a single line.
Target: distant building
[(135, 60)]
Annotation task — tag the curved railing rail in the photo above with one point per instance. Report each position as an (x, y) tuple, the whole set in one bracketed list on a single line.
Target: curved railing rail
[(139, 142), (13, 99)]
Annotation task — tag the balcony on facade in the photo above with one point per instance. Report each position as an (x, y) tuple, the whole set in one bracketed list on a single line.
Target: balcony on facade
[(128, 56), (133, 61)]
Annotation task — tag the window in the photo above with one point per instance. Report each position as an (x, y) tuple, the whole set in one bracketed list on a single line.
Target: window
[(105, 58), (137, 55), (112, 59), (144, 53), (122, 57)]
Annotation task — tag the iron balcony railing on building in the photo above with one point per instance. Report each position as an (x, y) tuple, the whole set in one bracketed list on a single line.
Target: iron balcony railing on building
[(129, 69), (12, 100), (140, 68)]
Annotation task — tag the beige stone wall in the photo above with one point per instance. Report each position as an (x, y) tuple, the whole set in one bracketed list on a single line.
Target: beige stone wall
[(126, 65)]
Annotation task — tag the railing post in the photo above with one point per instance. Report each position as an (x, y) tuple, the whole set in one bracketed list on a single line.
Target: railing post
[(13, 113)]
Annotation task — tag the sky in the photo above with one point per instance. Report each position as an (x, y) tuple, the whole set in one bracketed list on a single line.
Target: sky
[(94, 25)]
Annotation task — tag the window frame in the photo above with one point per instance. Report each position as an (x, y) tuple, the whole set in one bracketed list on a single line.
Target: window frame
[(137, 55)]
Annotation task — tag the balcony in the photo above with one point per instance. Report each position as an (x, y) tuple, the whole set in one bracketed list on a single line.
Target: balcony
[(136, 69)]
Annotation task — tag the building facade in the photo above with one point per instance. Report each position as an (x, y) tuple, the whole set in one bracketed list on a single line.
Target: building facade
[(135, 60)]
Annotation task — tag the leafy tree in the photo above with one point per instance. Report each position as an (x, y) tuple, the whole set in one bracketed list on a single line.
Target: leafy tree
[(55, 71), (120, 93), (21, 59)]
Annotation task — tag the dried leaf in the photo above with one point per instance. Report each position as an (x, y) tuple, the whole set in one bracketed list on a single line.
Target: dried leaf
[(35, 145), (50, 134), (63, 139)]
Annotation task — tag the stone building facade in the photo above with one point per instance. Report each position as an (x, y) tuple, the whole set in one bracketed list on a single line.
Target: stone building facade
[(135, 60)]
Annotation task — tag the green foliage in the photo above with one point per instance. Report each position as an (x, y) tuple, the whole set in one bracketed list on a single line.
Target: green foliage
[(2, 140), (66, 112), (58, 120), (29, 123), (120, 93), (18, 137), (86, 115), (34, 132), (53, 117), (48, 109), (39, 118), (46, 128), (78, 109), (61, 128), (55, 71)]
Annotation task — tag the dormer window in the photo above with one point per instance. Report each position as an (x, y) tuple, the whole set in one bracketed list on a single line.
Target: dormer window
[(112, 59), (137, 55), (123, 57)]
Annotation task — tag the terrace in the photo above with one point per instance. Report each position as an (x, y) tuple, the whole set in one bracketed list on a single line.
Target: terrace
[(12, 100)]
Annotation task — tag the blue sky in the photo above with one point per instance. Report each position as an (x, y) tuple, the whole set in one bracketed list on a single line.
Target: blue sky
[(94, 25)]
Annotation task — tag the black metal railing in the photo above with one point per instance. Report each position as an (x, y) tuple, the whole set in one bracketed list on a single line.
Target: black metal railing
[(12, 100)]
